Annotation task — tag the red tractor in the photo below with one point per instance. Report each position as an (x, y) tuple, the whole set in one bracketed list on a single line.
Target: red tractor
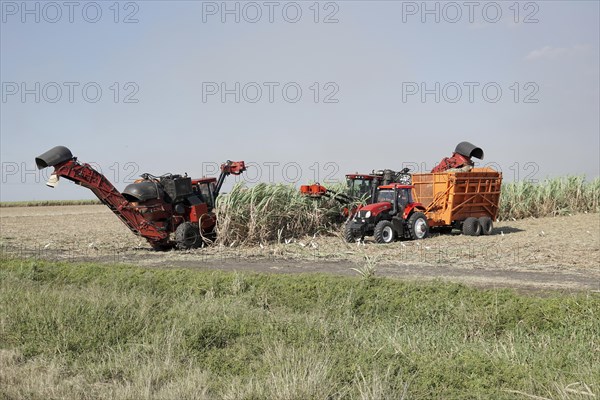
[(153, 207), (392, 215)]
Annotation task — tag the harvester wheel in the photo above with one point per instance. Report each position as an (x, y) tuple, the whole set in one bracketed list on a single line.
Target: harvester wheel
[(384, 232), (417, 226), (348, 235), (486, 225), (471, 227), (187, 236)]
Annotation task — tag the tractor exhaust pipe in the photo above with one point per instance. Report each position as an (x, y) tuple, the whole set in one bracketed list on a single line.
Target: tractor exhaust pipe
[(52, 157)]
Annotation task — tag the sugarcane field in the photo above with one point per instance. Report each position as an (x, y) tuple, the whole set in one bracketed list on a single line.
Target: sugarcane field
[(337, 200)]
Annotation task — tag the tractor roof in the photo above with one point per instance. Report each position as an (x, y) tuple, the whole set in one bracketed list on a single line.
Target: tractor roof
[(396, 185), (361, 176)]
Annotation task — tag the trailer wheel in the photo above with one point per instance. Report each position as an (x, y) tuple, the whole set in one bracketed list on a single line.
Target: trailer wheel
[(471, 227), (384, 232), (348, 235), (486, 225), (187, 236), (417, 226)]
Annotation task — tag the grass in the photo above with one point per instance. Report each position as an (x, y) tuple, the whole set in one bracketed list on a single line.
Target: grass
[(122, 332), (40, 203)]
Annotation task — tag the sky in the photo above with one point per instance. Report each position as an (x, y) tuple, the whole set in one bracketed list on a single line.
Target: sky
[(302, 91)]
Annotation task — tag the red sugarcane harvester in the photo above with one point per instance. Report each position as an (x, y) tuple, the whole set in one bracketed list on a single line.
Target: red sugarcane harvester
[(168, 210)]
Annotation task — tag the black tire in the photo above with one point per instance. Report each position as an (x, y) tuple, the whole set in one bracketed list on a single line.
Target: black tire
[(417, 226), (384, 232), (471, 227), (487, 226), (187, 236), (348, 235)]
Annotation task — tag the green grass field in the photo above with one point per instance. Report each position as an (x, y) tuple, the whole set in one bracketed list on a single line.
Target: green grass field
[(122, 332)]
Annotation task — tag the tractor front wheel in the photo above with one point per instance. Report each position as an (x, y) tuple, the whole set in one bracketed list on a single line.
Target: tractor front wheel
[(417, 226), (187, 236), (348, 234), (384, 232), (471, 227)]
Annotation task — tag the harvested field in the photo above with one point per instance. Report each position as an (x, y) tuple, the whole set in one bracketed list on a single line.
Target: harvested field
[(544, 253)]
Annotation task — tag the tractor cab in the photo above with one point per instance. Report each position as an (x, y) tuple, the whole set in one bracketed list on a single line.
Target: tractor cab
[(400, 194), (362, 186)]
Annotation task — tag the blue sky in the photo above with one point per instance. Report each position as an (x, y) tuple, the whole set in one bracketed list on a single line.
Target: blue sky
[(544, 59)]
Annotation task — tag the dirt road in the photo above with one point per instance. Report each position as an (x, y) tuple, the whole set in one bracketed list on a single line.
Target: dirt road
[(546, 253)]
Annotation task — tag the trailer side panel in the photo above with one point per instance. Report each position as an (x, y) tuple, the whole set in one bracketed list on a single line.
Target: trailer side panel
[(455, 196)]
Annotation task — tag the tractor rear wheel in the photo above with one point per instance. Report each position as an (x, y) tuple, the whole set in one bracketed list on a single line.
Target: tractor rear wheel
[(348, 234), (384, 232), (187, 236), (417, 226), (471, 227), (486, 225)]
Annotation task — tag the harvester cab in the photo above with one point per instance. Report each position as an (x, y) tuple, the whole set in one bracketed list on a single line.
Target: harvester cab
[(392, 214), (210, 188), (361, 186), (153, 207)]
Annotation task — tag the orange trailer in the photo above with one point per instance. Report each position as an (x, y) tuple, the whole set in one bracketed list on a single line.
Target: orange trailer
[(462, 200)]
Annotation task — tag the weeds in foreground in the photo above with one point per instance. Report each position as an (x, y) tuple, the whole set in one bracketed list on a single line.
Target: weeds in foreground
[(119, 332), (368, 269)]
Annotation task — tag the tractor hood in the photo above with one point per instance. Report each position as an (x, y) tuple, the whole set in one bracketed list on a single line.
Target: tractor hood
[(469, 150), (377, 208), (54, 156)]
